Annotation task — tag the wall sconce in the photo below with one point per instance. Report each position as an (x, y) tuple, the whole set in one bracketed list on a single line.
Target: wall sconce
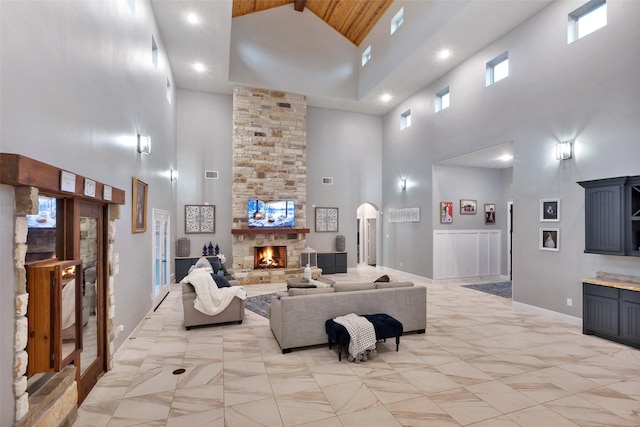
[(173, 175), (144, 144), (403, 184), (564, 150)]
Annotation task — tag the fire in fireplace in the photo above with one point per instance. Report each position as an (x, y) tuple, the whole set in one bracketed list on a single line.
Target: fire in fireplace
[(269, 257)]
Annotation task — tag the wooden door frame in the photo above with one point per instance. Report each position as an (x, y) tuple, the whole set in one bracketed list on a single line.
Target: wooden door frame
[(74, 208)]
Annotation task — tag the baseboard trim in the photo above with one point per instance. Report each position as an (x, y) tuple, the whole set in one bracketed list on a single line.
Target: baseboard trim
[(577, 321)]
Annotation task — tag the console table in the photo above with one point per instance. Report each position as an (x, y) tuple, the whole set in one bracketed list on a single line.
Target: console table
[(332, 262), (611, 310)]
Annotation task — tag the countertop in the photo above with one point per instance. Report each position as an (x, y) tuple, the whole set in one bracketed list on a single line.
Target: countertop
[(612, 284)]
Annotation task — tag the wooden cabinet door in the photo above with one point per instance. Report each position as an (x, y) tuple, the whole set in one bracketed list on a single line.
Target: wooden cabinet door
[(604, 220)]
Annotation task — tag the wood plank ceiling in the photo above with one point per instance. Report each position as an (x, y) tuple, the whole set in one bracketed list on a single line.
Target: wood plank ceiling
[(354, 19)]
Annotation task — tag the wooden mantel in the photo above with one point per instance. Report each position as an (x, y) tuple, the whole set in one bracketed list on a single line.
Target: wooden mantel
[(22, 171), (262, 230)]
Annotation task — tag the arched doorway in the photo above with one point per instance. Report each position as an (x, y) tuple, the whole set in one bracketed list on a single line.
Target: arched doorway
[(367, 239)]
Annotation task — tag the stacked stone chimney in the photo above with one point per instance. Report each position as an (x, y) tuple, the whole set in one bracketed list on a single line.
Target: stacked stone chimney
[(269, 163)]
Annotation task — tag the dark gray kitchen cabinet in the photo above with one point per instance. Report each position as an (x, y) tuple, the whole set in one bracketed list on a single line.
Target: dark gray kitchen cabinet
[(612, 216)]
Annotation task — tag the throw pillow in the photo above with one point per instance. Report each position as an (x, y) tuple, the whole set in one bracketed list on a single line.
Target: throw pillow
[(384, 278), (221, 281)]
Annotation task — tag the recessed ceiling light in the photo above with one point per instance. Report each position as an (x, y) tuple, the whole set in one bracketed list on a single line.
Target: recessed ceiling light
[(506, 157), (199, 67), (444, 54), (192, 18), (385, 97)]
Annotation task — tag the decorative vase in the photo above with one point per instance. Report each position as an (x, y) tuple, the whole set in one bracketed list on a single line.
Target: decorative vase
[(307, 273), (340, 243)]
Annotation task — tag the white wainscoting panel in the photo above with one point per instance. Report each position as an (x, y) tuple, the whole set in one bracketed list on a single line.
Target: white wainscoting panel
[(466, 253)]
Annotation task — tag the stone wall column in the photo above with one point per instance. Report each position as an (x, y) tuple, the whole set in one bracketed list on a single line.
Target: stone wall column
[(26, 199), (269, 163)]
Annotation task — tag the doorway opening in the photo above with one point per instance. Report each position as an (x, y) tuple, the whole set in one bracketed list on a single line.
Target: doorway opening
[(367, 235)]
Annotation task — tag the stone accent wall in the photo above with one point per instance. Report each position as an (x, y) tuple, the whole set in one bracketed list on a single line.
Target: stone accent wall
[(269, 162), (55, 404)]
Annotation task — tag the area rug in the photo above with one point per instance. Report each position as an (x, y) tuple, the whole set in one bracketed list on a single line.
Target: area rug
[(501, 289), (259, 304)]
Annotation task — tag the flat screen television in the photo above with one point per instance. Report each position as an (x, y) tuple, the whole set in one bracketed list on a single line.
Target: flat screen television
[(271, 213), (46, 216)]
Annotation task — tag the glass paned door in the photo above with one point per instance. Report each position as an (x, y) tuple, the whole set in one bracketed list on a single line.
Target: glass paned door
[(161, 255)]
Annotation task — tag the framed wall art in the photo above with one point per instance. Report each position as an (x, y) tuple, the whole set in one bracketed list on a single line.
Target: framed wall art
[(468, 206), (490, 213), (446, 212), (326, 219), (550, 239), (550, 210), (404, 215), (139, 206), (199, 219)]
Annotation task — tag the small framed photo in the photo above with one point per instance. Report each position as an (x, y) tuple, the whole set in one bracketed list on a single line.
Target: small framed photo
[(89, 187), (139, 206), (199, 219), (550, 239), (468, 207), (550, 210), (326, 219), (446, 212), (490, 213)]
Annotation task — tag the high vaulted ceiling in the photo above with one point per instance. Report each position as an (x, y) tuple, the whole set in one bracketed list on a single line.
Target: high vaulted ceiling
[(465, 27), (354, 19)]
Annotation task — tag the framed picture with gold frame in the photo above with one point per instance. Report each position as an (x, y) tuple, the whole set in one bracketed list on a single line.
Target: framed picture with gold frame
[(139, 206), (468, 207)]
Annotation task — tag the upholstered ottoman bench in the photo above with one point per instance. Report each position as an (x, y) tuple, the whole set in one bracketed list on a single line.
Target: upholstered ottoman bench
[(384, 325)]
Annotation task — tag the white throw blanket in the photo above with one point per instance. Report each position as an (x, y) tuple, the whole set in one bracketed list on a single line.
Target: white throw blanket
[(210, 299), (362, 334)]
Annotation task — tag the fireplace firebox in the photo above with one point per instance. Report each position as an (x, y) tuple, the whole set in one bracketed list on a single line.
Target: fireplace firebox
[(269, 257)]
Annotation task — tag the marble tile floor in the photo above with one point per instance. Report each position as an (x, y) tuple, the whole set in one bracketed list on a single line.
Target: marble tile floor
[(480, 363)]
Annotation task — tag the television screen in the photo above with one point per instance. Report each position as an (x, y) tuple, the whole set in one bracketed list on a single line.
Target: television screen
[(271, 213), (46, 217)]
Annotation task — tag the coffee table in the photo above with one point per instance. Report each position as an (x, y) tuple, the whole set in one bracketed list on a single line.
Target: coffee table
[(299, 282)]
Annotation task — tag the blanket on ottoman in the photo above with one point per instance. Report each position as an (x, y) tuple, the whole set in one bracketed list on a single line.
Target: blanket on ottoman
[(363, 336)]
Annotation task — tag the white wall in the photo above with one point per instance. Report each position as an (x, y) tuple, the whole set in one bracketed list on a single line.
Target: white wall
[(587, 90), (7, 307), (486, 186), (347, 147), (389, 50), (78, 84), (205, 125)]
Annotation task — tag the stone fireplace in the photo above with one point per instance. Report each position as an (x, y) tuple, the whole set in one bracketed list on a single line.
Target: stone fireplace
[(269, 257), (269, 163)]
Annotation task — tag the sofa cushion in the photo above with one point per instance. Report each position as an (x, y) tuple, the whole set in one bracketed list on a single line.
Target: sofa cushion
[(348, 287), (393, 285), (384, 278), (309, 291)]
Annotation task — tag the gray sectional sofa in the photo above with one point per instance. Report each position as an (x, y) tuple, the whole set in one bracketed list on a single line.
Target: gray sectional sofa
[(297, 318)]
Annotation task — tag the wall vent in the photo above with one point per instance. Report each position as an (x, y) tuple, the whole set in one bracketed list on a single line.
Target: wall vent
[(210, 174), (284, 104), (327, 180), (259, 134)]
